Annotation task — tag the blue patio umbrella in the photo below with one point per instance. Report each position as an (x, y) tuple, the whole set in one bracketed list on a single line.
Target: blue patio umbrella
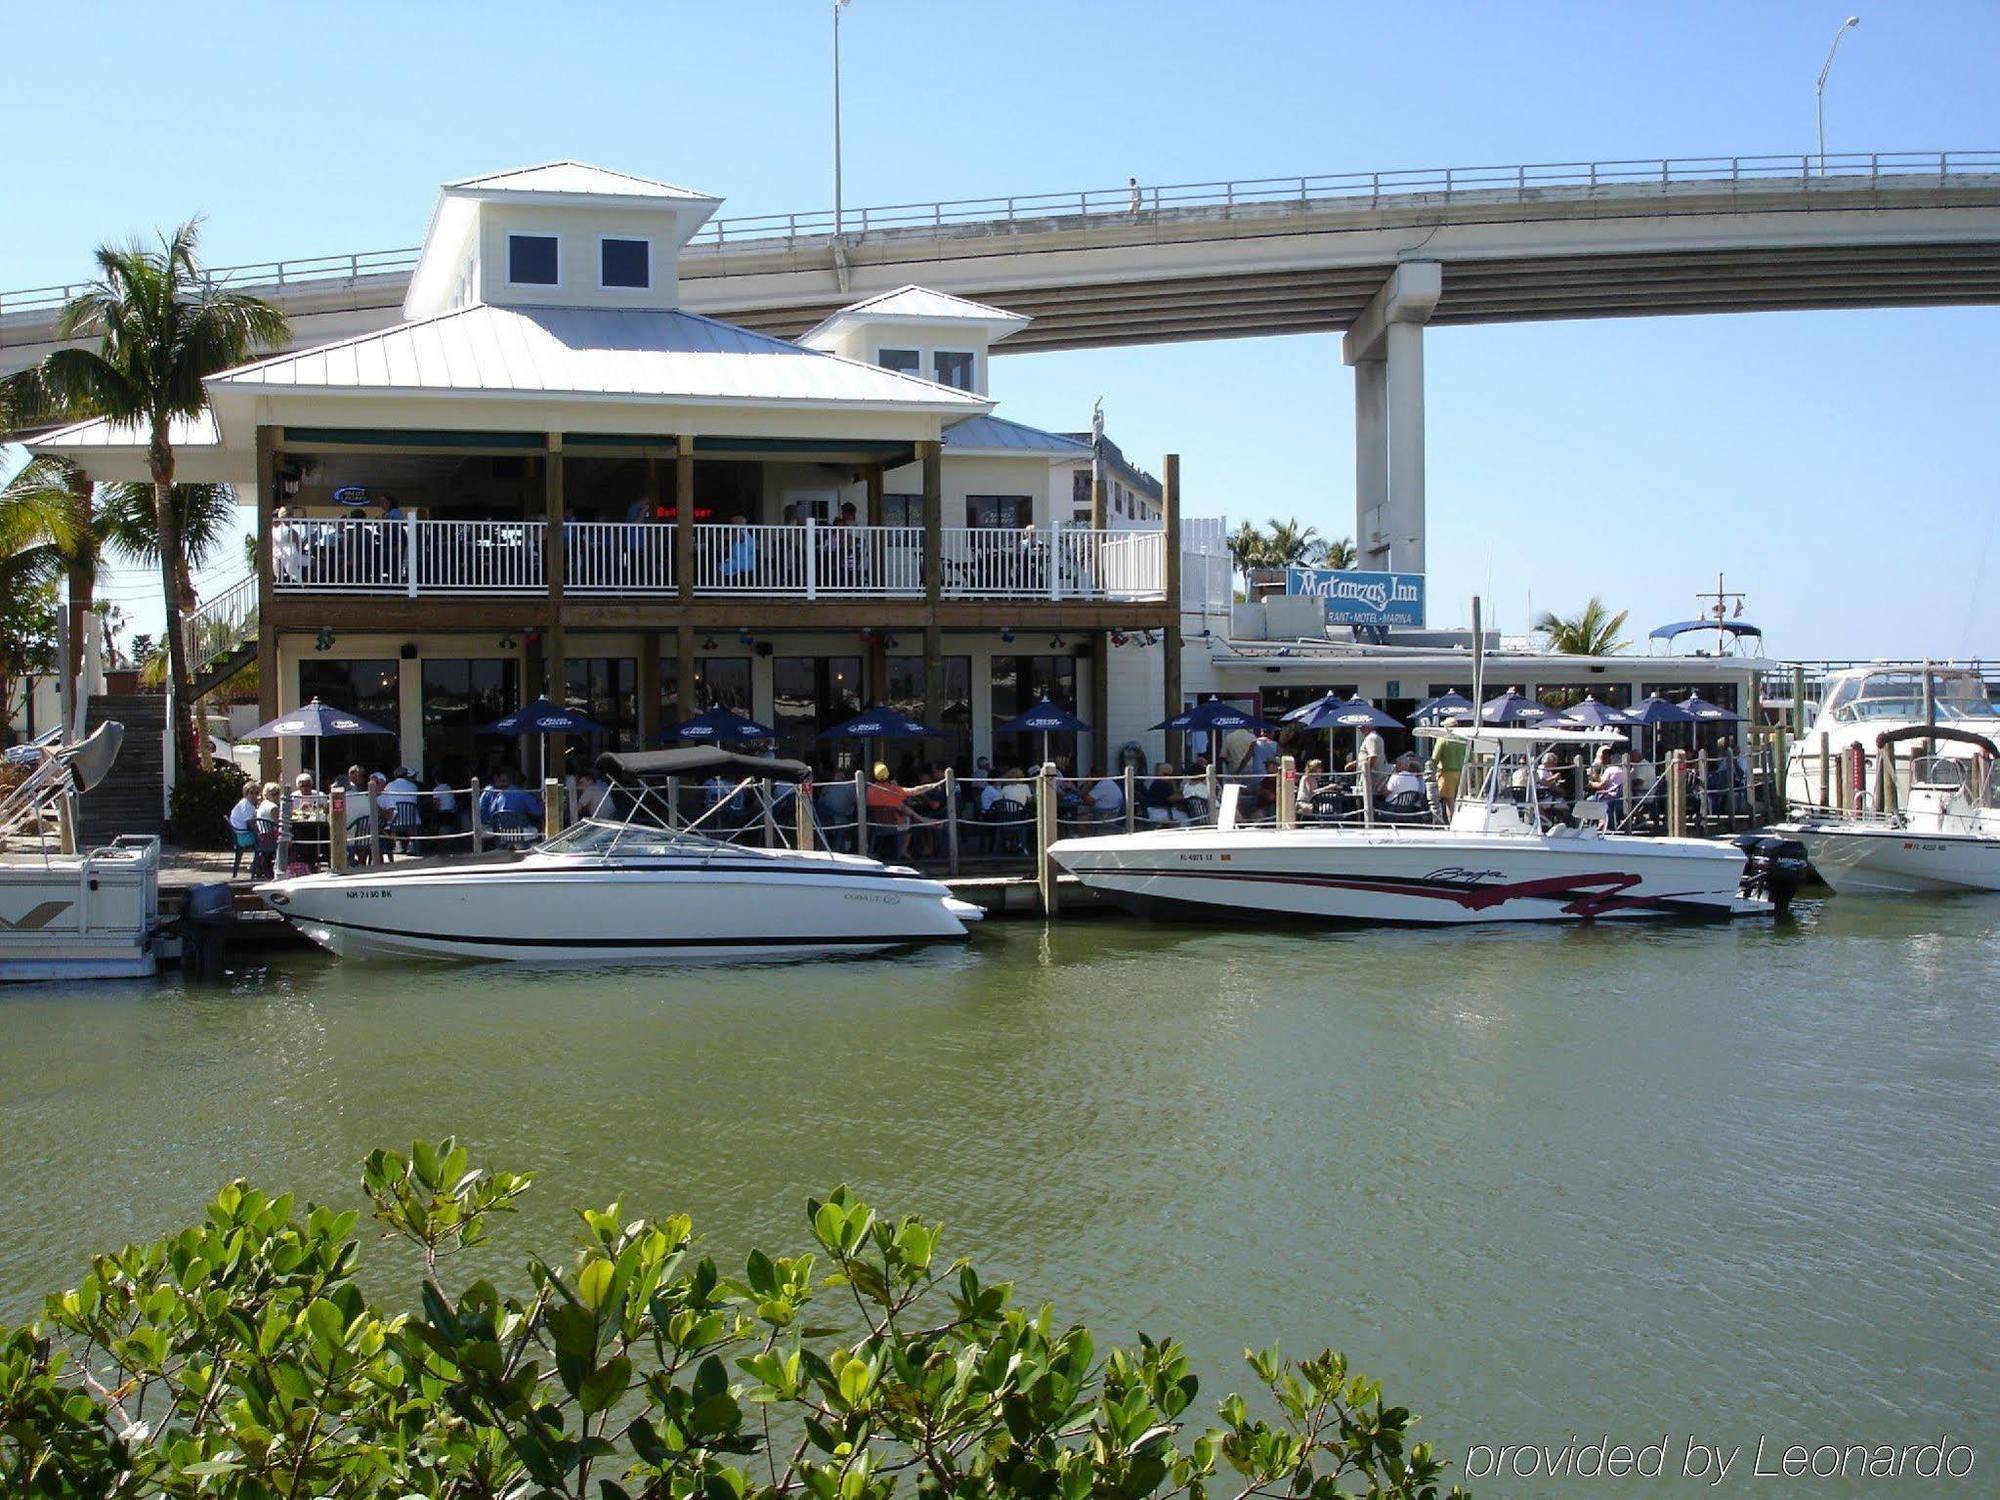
[(1445, 707), (1335, 712), (315, 722), (1514, 707), (1709, 713), (1657, 710), (543, 717), (878, 723), (1212, 716), (1045, 719), (1594, 713), (719, 726)]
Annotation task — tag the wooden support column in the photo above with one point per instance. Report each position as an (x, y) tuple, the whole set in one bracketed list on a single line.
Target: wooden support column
[(932, 456), (684, 697), (649, 688), (1170, 572), (874, 477), (1099, 503), (267, 631), (555, 559), (1100, 706)]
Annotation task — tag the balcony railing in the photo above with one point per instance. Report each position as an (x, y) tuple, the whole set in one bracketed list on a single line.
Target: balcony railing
[(415, 558)]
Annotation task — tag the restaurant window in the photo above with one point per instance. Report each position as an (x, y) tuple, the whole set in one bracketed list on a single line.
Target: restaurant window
[(461, 697), (809, 694), (954, 368), (1011, 512), (604, 688), (533, 260), (719, 681), (902, 510), (906, 696), (369, 689), (1019, 683), (626, 263), (902, 361)]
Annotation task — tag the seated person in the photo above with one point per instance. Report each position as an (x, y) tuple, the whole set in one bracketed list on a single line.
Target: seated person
[(1106, 799), (1404, 790), (740, 561), (1607, 783), (1161, 799), (888, 809), (507, 808), (594, 798)]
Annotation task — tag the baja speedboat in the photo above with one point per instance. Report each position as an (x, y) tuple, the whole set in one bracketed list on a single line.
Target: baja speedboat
[(629, 890)]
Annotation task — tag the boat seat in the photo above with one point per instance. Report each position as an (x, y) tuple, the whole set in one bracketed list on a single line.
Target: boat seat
[(1592, 812)]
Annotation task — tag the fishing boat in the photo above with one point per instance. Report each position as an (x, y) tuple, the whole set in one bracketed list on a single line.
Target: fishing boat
[(1499, 857), (629, 890), (1938, 833), (69, 913)]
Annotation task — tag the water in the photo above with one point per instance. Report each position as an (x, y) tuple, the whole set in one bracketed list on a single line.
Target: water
[(1674, 1182)]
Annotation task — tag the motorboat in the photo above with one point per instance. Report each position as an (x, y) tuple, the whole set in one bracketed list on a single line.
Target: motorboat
[(69, 913), (628, 890), (1859, 705), (1939, 833), (1499, 856)]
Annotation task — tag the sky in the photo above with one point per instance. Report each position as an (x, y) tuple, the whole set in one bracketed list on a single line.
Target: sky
[(1840, 468)]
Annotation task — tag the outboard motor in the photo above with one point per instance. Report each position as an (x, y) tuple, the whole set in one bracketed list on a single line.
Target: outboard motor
[(1773, 868), (204, 928)]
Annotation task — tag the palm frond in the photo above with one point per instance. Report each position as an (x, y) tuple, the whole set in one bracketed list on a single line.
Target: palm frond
[(204, 517)]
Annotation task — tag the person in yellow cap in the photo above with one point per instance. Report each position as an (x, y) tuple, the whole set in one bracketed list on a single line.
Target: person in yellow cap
[(889, 807)]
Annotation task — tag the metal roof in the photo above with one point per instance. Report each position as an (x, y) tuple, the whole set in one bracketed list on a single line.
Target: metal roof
[(632, 352), (920, 304), (991, 434), (102, 432), (574, 177)]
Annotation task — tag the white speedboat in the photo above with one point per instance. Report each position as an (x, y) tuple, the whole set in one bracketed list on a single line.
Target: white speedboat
[(1861, 704), (621, 891), (1943, 837), (1498, 859)]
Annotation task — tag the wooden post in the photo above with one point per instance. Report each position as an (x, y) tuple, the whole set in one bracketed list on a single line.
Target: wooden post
[(66, 815), (1701, 788), (555, 565), (1799, 701), (336, 832), (1045, 835), (1131, 804), (281, 856), (770, 815), (1170, 572), (1208, 785), (951, 819), (1100, 505), (875, 509), (860, 812), (1825, 768), (673, 802), (1100, 707), (684, 524), (1677, 794), (267, 632), (932, 455), (802, 815), (374, 830), (552, 807), (478, 828), (1288, 792)]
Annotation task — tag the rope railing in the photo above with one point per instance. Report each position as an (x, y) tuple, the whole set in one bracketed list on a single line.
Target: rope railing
[(1834, 171)]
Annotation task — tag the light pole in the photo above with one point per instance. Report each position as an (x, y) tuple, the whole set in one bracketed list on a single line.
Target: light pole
[(1819, 90), (839, 217)]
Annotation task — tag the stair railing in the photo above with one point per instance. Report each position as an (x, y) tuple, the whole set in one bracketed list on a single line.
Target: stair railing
[(222, 624)]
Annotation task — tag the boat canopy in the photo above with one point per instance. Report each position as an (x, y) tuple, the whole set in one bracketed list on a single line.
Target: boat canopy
[(1544, 734), (1684, 627), (697, 761), (1890, 737)]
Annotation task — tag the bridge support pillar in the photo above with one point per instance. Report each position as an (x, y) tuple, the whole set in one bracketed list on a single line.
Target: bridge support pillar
[(1386, 348)]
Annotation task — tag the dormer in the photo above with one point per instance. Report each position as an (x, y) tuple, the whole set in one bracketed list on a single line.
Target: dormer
[(560, 235), (919, 332)]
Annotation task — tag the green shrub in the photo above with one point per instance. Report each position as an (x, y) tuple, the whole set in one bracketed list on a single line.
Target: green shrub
[(200, 804), (240, 1358)]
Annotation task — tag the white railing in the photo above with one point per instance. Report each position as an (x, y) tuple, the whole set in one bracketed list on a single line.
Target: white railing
[(408, 557), (809, 560), (618, 557), (1849, 170), (805, 561), (221, 624)]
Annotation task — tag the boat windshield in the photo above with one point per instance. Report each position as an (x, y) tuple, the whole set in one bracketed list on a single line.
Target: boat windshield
[(628, 841), (1899, 695)]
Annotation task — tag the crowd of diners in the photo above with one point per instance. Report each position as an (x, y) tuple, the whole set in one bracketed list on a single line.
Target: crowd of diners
[(400, 812)]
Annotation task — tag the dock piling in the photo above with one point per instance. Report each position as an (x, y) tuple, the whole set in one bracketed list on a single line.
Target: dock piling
[(802, 815), (552, 807), (336, 832), (1288, 792), (951, 819), (478, 829), (1045, 835), (1131, 805)]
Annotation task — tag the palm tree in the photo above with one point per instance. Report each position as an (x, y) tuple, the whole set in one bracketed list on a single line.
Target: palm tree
[(1293, 545), (160, 328), (1247, 547), (32, 526), (60, 492), (1340, 554), (1592, 633)]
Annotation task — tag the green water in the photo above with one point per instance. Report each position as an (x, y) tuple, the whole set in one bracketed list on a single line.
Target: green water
[(1680, 1182)]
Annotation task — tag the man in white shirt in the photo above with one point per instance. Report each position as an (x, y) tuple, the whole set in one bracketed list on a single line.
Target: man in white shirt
[(1405, 781), (243, 827), (1107, 799)]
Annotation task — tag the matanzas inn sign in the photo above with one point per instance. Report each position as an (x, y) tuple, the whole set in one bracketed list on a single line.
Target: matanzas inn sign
[(1355, 598)]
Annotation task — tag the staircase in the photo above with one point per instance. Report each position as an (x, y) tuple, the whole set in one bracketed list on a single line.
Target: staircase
[(132, 798)]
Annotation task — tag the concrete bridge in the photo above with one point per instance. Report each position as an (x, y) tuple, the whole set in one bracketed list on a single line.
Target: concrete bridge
[(1375, 256)]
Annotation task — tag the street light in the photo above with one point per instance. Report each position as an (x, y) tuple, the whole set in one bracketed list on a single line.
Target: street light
[(839, 225), (1819, 91)]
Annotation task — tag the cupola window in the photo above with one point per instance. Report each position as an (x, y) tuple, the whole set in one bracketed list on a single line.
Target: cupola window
[(532, 260), (625, 263)]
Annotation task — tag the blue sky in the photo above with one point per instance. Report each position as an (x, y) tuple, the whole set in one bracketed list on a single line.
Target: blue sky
[(1843, 468)]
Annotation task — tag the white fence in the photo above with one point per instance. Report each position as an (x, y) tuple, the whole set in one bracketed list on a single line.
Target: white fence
[(408, 557), (612, 557)]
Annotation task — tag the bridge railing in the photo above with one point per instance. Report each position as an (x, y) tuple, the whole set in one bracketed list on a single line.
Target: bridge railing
[(1845, 170)]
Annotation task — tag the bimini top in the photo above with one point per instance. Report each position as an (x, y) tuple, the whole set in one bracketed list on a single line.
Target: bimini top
[(699, 760), (1686, 627)]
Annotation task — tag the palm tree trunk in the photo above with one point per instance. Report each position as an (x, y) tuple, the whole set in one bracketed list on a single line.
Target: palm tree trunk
[(82, 573), (180, 685)]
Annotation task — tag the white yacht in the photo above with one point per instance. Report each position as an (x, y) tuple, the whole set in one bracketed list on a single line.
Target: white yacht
[(1862, 703), (1499, 858), (1940, 834), (625, 891)]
